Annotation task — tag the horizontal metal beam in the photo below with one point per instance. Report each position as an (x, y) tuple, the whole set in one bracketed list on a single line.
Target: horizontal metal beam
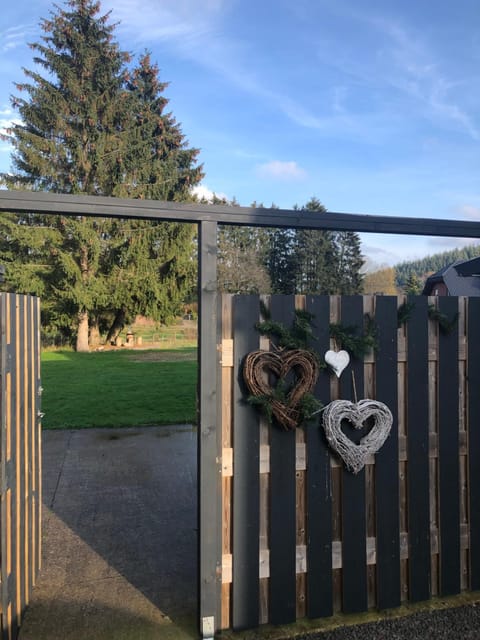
[(44, 202)]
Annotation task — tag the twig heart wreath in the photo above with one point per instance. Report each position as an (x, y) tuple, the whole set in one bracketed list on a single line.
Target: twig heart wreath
[(280, 381), (357, 414), (282, 403)]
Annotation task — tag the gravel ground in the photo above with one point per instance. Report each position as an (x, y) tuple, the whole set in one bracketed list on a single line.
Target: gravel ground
[(459, 623)]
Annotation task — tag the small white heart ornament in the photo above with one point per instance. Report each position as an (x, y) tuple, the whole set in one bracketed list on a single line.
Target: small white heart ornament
[(355, 455), (337, 360)]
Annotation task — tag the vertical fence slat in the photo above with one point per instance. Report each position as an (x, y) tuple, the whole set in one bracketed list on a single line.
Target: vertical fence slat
[(473, 373), (246, 478), (282, 501), (418, 450), (21, 488), (386, 460), (319, 492), (449, 461), (354, 543), (5, 439), (38, 438)]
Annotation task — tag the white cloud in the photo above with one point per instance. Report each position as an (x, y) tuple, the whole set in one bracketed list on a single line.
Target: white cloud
[(469, 211), (5, 123), (205, 193), (279, 170)]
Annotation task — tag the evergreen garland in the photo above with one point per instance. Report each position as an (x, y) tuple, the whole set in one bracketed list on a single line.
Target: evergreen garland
[(404, 313), (446, 324), (295, 338), (357, 345)]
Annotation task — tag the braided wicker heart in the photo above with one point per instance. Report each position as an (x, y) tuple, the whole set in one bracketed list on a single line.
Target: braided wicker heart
[(355, 455), (305, 369)]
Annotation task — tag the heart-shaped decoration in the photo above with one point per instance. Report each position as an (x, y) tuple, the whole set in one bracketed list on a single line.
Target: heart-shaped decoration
[(259, 364), (355, 455), (337, 360)]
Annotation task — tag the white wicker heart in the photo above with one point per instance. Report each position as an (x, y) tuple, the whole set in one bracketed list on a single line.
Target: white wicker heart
[(355, 455), (337, 360)]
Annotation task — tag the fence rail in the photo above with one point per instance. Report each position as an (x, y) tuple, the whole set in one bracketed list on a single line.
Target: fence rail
[(302, 535)]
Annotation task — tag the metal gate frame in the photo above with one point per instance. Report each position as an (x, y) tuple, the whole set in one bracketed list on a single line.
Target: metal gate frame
[(208, 217)]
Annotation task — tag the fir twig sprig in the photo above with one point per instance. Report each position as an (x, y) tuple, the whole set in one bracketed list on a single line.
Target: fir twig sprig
[(446, 324), (297, 337), (348, 339), (404, 312)]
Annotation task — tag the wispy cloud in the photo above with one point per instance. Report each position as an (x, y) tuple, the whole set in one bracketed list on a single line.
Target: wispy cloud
[(15, 37), (278, 170), (401, 59), (416, 72), (185, 22)]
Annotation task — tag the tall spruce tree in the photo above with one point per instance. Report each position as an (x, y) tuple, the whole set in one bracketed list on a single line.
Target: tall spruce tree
[(348, 261), (150, 267), (89, 127), (314, 256)]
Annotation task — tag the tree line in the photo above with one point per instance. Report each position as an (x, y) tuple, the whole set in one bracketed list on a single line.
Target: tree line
[(424, 267), (303, 261), (95, 121)]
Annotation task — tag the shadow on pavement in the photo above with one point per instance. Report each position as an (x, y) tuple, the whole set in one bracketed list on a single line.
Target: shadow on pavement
[(120, 536)]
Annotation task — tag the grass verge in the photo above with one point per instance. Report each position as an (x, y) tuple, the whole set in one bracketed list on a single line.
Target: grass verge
[(118, 388)]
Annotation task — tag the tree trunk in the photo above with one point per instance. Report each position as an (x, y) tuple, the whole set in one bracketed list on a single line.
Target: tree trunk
[(82, 333), (94, 333), (117, 326)]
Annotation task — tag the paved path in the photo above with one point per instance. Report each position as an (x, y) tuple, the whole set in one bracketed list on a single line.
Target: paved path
[(119, 536)]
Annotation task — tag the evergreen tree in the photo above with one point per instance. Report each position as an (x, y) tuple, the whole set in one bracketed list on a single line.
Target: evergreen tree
[(150, 266), (413, 285), (314, 256), (348, 262), (280, 260), (89, 127)]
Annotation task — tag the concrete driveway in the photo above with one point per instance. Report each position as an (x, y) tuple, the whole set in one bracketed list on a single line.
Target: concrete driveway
[(119, 536)]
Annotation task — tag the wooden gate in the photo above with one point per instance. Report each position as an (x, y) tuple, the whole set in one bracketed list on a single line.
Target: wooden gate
[(20, 455), (302, 535)]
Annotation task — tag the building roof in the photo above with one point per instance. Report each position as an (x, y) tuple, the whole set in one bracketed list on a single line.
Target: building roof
[(462, 278)]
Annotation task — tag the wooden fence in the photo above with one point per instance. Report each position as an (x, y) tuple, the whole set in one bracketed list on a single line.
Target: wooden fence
[(20, 456), (303, 536)]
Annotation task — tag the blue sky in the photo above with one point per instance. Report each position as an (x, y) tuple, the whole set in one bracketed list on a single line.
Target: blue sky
[(372, 106)]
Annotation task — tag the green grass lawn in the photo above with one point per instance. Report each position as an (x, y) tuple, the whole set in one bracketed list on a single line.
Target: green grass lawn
[(118, 388)]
